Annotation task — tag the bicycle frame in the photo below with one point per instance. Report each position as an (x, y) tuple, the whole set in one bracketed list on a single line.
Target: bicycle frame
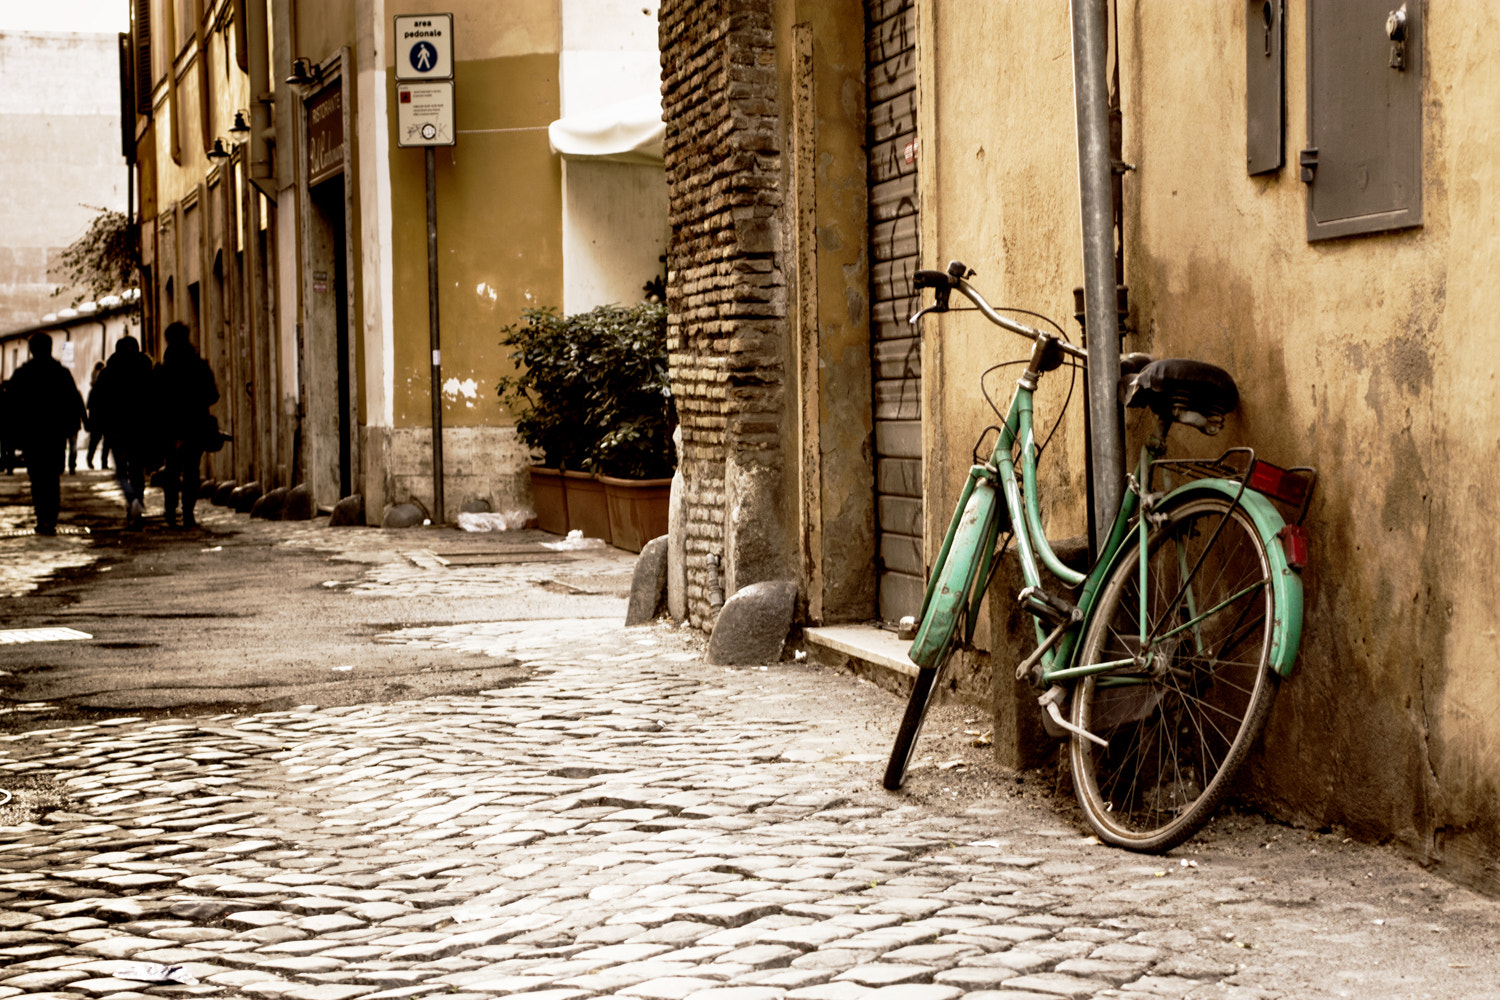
[(1168, 661), (1023, 505), (1055, 651)]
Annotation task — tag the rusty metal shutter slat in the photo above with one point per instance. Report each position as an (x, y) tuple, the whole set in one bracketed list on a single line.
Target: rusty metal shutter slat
[(142, 40), (891, 138)]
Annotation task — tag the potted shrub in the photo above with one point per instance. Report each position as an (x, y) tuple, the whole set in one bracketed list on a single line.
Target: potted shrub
[(592, 396), (546, 395)]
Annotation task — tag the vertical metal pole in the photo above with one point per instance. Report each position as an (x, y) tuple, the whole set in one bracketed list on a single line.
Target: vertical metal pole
[(436, 340), (1101, 322)]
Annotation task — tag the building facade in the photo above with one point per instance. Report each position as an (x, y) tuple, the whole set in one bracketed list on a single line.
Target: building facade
[(284, 219), (1305, 205), (61, 162)]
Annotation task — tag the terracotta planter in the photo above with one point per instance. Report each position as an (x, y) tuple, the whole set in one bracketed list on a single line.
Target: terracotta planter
[(549, 494), (637, 510), (588, 510)]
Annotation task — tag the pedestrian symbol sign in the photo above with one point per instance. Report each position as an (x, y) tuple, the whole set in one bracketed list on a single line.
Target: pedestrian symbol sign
[(424, 47), (423, 57)]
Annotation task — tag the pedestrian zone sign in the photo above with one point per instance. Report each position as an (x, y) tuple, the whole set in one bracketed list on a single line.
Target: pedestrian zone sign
[(424, 47)]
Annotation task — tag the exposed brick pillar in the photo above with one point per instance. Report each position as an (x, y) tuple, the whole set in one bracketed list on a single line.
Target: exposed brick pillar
[(726, 298)]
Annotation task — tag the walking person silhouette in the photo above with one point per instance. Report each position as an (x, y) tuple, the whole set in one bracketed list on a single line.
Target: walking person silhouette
[(47, 410), (185, 389), (121, 409)]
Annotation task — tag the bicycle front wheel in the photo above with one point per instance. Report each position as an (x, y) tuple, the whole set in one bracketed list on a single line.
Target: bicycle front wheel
[(944, 610), (1182, 716), (922, 687)]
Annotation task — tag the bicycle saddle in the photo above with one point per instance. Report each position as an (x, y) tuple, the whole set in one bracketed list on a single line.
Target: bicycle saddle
[(1191, 392)]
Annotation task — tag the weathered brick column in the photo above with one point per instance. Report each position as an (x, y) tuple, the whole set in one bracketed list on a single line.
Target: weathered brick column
[(726, 297)]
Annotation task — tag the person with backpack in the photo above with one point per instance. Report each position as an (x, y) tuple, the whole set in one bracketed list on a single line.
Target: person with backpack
[(184, 389)]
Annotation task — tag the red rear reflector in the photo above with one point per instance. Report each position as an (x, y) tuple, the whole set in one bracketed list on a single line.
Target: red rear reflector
[(1294, 543), (1277, 483)]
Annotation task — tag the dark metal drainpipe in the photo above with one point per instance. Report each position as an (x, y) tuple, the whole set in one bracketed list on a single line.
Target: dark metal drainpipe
[(1091, 96), (262, 169)]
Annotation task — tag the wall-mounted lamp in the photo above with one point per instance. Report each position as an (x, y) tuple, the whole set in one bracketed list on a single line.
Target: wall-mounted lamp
[(219, 152), (240, 126), (305, 72)]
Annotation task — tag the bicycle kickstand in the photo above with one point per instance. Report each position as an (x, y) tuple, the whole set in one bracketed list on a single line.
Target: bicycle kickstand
[(1062, 614), (1050, 700)]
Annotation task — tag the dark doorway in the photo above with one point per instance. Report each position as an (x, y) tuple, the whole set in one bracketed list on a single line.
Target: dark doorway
[(328, 340)]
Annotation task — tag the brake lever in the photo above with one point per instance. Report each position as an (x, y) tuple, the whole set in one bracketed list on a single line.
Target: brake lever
[(935, 307)]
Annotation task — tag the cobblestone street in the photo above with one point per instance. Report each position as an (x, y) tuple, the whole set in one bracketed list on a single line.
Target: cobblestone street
[(621, 819), (626, 823)]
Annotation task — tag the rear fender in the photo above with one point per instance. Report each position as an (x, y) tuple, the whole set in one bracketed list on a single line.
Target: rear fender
[(1286, 582)]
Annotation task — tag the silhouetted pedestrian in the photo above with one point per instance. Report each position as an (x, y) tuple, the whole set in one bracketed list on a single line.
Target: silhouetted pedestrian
[(7, 431), (96, 436), (184, 391), (46, 411), (122, 410)]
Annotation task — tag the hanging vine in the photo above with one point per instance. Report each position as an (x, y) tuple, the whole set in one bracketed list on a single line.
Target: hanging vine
[(105, 260)]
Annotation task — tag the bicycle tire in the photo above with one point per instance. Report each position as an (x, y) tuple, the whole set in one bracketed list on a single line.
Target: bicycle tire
[(940, 620), (922, 687), (1181, 723)]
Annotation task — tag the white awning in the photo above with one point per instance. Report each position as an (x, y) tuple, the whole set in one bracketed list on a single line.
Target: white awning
[(629, 131)]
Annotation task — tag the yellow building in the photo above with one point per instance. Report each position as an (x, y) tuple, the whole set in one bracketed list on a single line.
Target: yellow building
[(284, 219), (1309, 208)]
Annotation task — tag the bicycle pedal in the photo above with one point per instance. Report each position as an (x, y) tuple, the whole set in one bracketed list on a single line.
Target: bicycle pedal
[(1049, 607)]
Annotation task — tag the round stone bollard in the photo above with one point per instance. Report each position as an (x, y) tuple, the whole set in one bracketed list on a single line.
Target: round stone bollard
[(402, 515), (753, 625), (300, 504), (648, 587), (244, 497), (348, 512), (268, 507)]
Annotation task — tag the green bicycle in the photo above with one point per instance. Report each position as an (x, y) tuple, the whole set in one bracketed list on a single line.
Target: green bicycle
[(1169, 656)]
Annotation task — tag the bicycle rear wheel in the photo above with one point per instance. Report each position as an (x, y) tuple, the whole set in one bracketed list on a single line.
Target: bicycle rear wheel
[(1182, 719)]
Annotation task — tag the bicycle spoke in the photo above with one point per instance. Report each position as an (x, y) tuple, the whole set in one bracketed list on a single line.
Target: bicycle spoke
[(1197, 620)]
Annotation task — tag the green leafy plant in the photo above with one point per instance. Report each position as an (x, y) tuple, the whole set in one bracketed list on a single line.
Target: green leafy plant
[(105, 260), (591, 391)]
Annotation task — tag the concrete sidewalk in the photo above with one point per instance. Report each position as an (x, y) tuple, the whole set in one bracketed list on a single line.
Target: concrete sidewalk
[(252, 614)]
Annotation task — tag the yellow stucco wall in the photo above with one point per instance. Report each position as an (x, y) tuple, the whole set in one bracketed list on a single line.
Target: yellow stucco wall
[(999, 189), (1369, 357), (499, 218), (499, 210), (175, 181), (321, 30)]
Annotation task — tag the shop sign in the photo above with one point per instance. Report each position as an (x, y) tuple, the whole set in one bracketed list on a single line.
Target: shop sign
[(325, 135)]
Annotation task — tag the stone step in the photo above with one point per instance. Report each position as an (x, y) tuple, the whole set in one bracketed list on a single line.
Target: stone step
[(870, 651)]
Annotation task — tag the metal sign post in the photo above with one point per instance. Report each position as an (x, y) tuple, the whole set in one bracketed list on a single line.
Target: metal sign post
[(1101, 310), (424, 117)]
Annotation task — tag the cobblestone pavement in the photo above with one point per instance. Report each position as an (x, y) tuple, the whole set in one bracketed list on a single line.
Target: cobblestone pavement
[(630, 822), (70, 548)]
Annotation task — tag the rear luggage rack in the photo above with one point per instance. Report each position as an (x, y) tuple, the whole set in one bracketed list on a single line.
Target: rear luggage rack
[(1292, 487)]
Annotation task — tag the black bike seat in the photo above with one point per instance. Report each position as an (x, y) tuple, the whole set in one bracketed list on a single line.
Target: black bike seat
[(1179, 387)]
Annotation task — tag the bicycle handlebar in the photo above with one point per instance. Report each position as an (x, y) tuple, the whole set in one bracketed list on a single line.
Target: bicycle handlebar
[(956, 279)]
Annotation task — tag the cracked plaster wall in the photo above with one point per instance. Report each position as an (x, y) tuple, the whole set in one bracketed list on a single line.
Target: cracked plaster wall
[(1370, 357)]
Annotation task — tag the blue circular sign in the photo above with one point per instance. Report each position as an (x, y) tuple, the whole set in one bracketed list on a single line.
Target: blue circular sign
[(424, 57)]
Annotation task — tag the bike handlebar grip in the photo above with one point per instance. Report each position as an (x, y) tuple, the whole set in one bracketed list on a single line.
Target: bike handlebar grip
[(928, 278)]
